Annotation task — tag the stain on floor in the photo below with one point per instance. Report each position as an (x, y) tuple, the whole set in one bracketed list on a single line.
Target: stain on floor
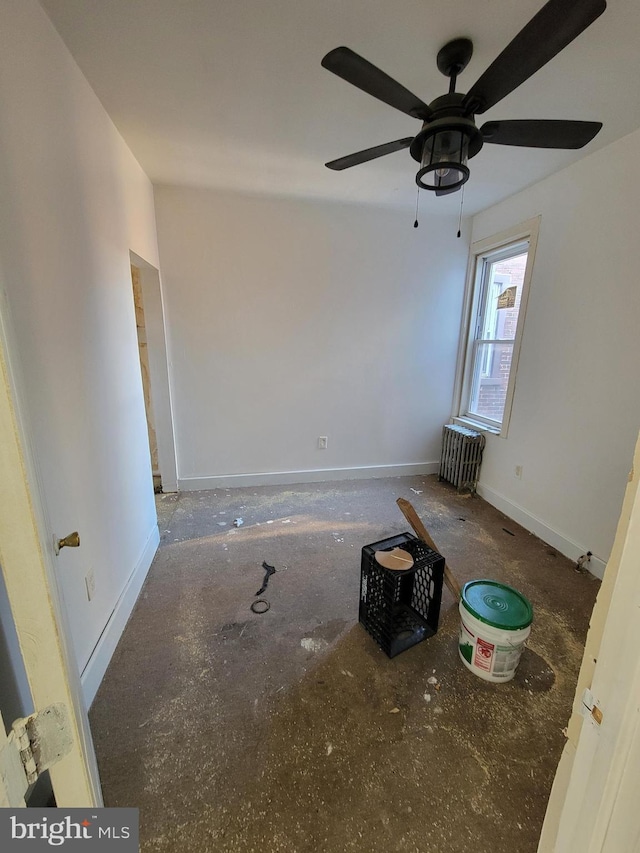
[(291, 731)]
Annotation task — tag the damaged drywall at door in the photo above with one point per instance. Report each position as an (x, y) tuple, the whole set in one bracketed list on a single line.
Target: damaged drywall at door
[(144, 368)]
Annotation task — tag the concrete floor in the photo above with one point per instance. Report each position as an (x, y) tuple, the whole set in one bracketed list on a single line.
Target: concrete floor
[(291, 731)]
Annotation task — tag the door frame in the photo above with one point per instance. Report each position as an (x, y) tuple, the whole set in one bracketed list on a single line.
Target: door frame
[(27, 558), (159, 377)]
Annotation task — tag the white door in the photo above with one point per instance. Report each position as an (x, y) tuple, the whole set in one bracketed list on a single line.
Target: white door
[(39, 619)]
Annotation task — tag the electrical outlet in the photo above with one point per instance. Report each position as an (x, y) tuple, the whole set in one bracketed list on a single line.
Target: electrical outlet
[(518, 472), (90, 583), (323, 442)]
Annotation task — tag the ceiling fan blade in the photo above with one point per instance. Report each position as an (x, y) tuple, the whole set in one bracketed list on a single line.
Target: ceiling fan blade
[(540, 133), (361, 73), (555, 26), (369, 154)]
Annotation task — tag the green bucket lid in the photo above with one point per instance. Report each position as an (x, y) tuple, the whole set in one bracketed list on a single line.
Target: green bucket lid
[(497, 604)]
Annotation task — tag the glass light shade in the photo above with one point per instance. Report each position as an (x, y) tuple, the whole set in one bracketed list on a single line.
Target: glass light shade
[(444, 161)]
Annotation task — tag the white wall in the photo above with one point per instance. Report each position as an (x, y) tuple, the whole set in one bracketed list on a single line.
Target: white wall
[(74, 202), (289, 320), (576, 408)]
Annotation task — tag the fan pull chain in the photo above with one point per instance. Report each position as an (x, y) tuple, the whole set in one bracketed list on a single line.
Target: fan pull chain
[(415, 224), (460, 217)]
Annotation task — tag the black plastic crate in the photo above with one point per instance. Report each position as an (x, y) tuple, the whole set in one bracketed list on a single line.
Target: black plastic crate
[(401, 608)]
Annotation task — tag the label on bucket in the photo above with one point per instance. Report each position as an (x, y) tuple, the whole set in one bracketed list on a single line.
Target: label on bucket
[(507, 659), (496, 660), (484, 654)]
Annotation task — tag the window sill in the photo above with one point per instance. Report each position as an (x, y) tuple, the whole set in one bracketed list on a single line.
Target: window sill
[(480, 427)]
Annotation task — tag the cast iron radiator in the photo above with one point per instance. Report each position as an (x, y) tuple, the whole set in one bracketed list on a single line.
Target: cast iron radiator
[(461, 456)]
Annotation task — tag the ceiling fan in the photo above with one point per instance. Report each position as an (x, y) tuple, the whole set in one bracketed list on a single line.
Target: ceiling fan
[(449, 136)]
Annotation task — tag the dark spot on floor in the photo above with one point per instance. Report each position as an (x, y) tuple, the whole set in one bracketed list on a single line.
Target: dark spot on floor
[(534, 673)]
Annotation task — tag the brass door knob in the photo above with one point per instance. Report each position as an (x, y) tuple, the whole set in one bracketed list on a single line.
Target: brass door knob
[(70, 541)]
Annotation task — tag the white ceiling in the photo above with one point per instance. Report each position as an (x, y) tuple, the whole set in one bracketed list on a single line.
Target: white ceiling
[(231, 94)]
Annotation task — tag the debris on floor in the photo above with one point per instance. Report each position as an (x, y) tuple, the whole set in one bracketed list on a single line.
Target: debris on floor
[(268, 571), (309, 644), (237, 522), (260, 605)]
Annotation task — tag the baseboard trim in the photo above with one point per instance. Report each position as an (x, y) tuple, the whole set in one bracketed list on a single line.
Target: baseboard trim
[(315, 475), (541, 529), (96, 666)]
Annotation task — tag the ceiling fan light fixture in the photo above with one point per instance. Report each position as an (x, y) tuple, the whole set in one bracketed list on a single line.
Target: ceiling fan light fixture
[(443, 165), (449, 136)]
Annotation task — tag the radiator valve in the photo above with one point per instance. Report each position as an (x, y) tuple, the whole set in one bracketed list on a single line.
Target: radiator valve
[(582, 562)]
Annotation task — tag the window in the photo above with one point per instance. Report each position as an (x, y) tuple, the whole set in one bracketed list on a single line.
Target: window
[(500, 271)]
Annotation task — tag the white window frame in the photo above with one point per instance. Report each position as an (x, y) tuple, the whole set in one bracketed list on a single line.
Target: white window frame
[(481, 251)]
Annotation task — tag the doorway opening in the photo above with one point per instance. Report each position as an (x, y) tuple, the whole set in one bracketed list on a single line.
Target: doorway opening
[(152, 351), (143, 354)]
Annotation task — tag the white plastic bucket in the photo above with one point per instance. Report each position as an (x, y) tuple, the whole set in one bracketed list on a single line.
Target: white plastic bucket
[(490, 647)]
